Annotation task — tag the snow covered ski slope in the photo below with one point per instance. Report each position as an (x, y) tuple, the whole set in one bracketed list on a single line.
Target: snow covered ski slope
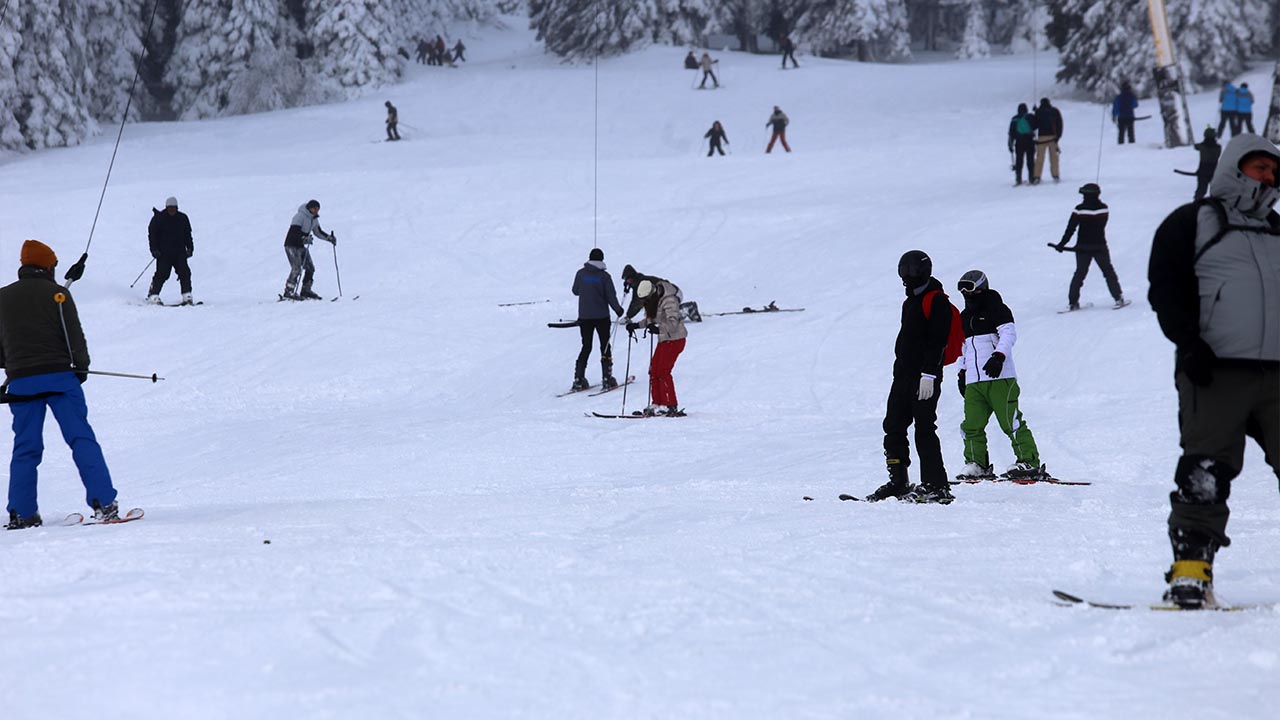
[(378, 508)]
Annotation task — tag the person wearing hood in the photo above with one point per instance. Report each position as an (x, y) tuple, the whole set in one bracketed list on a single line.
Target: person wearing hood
[(631, 279), (1215, 280), (663, 318), (690, 61), (1228, 103), (297, 247), (716, 135), (1122, 108), (46, 359), (169, 237), (1090, 217), (988, 382), (596, 295), (917, 379), (1048, 132), (1022, 142), (1210, 151)]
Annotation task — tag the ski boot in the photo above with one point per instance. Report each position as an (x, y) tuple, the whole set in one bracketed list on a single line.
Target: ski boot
[(1073, 306), (608, 383), (19, 523), (579, 383), (1120, 302), (929, 494), (307, 294), (289, 295), (974, 472), (898, 486), (105, 514), (1190, 585), (671, 411), (187, 299), (1023, 471), (154, 299)]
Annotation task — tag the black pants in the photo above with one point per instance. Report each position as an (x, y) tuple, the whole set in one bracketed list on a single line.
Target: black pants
[(715, 147), (166, 264), (1085, 256), (904, 410), (789, 54), (1228, 118), (392, 132), (1024, 152), (708, 74), (589, 328), (1125, 127), (1202, 185)]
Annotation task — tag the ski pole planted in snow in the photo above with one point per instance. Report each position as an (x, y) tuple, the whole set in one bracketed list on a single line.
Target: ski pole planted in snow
[(144, 272), (336, 274)]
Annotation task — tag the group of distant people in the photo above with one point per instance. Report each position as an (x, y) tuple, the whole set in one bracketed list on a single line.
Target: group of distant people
[(1235, 108), (434, 52), (1035, 133)]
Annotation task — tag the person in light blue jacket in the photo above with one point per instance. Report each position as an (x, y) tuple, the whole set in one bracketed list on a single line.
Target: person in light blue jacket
[(1229, 103)]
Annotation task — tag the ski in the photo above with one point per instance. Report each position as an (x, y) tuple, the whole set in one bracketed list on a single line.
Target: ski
[(575, 392), (1069, 600), (636, 415), (1083, 306), (1017, 481), (772, 307), (79, 519), (630, 380), (850, 498), (843, 496), (353, 297), (1186, 172), (531, 302), (1122, 304), (563, 324)]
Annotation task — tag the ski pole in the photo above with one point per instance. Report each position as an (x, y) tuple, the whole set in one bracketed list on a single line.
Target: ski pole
[(630, 339), (335, 267), (144, 272), (650, 366), (152, 377)]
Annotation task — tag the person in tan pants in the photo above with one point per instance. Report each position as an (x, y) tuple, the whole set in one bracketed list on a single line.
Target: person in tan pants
[(1048, 133)]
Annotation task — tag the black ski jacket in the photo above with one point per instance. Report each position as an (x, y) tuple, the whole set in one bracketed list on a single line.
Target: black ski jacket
[(33, 339), (717, 135), (922, 341), (1048, 121), (984, 313), (1090, 217), (170, 235), (1210, 151), (595, 291), (1015, 136)]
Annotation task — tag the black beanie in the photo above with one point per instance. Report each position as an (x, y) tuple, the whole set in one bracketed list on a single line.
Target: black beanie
[(596, 254), (628, 272)]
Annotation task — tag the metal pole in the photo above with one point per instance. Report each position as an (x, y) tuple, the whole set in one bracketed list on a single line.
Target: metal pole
[(144, 272), (335, 268)]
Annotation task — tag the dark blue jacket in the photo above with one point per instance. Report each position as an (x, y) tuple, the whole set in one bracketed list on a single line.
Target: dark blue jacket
[(594, 288), (1123, 106)]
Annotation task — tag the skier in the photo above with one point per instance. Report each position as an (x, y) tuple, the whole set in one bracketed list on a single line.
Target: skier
[(779, 121), (1244, 108), (631, 279), (1022, 142), (690, 62), (917, 378), (707, 72), (716, 134), (596, 295), (459, 51), (1122, 108), (662, 317), (393, 118), (422, 51), (169, 235), (1090, 216), (788, 51), (46, 359), (989, 384), (1210, 150), (297, 246), (1228, 101), (1049, 131), (1215, 274)]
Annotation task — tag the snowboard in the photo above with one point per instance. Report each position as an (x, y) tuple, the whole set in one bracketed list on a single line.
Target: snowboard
[(1068, 600), (79, 519), (1083, 306)]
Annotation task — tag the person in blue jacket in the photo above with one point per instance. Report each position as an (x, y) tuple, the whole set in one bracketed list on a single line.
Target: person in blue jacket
[(1122, 108), (596, 295), (1228, 100), (1244, 108)]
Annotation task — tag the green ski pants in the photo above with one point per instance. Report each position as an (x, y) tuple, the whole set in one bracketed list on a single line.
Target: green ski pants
[(981, 399)]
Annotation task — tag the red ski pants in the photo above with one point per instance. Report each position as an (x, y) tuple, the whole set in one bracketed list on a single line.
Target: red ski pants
[(778, 135), (662, 389)]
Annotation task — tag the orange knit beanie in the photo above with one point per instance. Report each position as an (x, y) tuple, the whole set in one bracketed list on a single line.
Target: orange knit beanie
[(37, 253)]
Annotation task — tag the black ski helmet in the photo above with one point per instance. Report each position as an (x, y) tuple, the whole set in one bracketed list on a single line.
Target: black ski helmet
[(971, 281), (915, 265), (1090, 189)]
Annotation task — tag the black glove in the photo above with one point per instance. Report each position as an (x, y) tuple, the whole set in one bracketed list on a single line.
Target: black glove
[(82, 376), (155, 254), (1059, 246), (1197, 361), (76, 271), (333, 239), (190, 251), (960, 382), (652, 328), (994, 365), (633, 326)]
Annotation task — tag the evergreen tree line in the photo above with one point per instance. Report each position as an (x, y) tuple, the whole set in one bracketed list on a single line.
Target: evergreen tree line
[(67, 65)]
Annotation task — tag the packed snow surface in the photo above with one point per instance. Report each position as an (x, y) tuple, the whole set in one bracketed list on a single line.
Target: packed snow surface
[(377, 507)]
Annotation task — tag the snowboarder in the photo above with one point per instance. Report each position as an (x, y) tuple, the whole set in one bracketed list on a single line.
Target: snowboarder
[(459, 51), (1049, 131), (716, 135), (779, 122), (788, 51), (46, 359), (1210, 150), (596, 295), (917, 378), (1215, 274), (1022, 142), (690, 61), (169, 235), (989, 384), (662, 317), (297, 246), (707, 72), (1122, 108), (1090, 216), (1228, 102), (1244, 108), (393, 119)]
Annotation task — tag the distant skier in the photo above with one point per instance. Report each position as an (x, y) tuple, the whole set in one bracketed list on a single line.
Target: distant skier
[(1210, 151), (1022, 142), (393, 119), (989, 384), (596, 295), (1228, 103), (917, 378), (297, 246), (422, 51), (1122, 108), (169, 237), (459, 51), (1048, 132), (788, 51), (46, 359), (716, 135), (1244, 107), (707, 71), (662, 317), (690, 61), (1090, 216), (779, 122), (1215, 277)]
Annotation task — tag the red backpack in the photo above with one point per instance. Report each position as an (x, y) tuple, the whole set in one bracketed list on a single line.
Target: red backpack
[(955, 338)]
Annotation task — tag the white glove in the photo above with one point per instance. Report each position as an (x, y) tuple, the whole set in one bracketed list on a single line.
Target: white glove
[(926, 387)]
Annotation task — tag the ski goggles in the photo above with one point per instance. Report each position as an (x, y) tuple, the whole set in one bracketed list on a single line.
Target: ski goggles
[(972, 281)]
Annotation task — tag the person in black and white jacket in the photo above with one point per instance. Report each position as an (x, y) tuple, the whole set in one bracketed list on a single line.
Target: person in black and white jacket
[(989, 383), (1090, 216)]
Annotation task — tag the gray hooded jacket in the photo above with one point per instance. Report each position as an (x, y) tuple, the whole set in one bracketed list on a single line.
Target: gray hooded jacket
[(302, 227)]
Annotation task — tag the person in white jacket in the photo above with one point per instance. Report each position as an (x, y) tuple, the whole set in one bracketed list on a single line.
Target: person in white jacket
[(989, 384)]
